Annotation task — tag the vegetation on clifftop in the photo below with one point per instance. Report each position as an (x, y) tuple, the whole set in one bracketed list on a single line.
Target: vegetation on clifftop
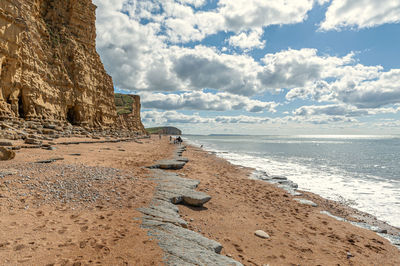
[(123, 103), (164, 130)]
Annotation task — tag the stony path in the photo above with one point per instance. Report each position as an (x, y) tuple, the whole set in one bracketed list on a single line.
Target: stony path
[(181, 246)]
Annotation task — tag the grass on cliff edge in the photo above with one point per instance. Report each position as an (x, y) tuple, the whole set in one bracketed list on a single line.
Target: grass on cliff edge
[(123, 103), (154, 130)]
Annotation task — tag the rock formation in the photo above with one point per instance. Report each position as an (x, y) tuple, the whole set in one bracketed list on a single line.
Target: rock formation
[(132, 119), (49, 67), (164, 130)]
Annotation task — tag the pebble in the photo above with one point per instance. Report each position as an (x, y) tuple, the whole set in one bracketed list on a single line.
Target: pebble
[(261, 234)]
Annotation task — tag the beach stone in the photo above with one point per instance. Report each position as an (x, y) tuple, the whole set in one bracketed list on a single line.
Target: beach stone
[(6, 154), (47, 131), (182, 159), (4, 142), (49, 126), (307, 202), (195, 198), (185, 196), (170, 164), (32, 141), (261, 234), (288, 183), (381, 231), (276, 177)]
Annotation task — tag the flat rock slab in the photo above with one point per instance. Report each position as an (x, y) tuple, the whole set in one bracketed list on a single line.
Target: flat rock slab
[(182, 159), (151, 214), (188, 251), (184, 234), (307, 202), (180, 245), (50, 160), (170, 164)]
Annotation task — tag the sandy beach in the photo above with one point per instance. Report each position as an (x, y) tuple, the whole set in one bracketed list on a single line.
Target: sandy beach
[(81, 209)]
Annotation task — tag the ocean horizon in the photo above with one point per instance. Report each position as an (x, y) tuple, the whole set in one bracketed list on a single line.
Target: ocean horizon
[(362, 169)]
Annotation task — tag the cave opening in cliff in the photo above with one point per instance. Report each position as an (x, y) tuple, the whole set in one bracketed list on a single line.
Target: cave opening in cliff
[(71, 116), (21, 112)]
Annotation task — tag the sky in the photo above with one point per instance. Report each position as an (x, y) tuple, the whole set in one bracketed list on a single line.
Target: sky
[(264, 67)]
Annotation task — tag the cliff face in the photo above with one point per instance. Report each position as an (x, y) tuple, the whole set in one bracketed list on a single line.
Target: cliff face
[(129, 111), (164, 130), (49, 67)]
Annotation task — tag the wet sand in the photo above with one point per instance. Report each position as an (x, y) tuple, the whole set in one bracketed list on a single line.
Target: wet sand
[(82, 211)]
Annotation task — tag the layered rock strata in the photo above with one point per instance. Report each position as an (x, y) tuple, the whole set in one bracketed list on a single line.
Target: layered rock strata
[(132, 119), (49, 67)]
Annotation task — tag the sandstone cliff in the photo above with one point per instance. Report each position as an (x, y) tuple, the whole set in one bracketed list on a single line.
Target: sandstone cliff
[(128, 109), (49, 67)]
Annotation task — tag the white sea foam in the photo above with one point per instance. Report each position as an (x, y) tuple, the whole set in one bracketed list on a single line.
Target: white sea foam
[(374, 195)]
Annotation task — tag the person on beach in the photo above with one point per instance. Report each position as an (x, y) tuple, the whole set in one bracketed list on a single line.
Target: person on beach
[(179, 139)]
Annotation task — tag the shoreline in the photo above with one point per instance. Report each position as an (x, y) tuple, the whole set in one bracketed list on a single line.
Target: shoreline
[(336, 209), (299, 233)]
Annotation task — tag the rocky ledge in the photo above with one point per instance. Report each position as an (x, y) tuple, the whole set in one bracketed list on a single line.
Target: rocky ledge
[(162, 219)]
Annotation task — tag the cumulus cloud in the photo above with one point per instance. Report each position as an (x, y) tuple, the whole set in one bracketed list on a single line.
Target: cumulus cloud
[(204, 101), (183, 21), (248, 40), (361, 86), (203, 67), (360, 14), (242, 15), (296, 68), (374, 93), (173, 117), (330, 110), (140, 43)]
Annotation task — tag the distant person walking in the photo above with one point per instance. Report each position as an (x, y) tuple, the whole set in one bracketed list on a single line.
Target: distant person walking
[(179, 139)]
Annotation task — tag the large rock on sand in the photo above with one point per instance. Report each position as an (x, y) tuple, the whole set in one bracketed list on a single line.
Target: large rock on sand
[(6, 154), (170, 164)]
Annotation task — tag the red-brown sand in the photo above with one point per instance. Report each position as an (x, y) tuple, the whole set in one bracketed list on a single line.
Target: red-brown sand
[(94, 220), (38, 229)]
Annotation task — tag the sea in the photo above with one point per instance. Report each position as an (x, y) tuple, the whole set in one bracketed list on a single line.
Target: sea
[(361, 170)]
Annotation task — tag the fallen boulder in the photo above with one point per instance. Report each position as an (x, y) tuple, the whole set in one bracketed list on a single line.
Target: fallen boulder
[(170, 164), (6, 154)]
